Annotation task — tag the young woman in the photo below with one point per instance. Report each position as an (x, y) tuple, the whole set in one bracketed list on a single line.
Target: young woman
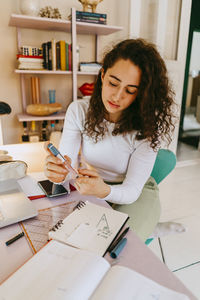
[(119, 131)]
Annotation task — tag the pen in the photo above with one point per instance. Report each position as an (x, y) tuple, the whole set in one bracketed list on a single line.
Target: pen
[(112, 246), (118, 248), (56, 153), (36, 197), (15, 238)]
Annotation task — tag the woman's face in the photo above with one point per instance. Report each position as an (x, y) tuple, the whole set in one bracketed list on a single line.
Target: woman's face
[(120, 86)]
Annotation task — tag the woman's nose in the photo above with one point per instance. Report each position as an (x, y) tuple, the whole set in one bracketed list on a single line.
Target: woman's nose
[(118, 94)]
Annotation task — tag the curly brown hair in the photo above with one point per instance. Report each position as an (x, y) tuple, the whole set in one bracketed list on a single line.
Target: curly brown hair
[(151, 112)]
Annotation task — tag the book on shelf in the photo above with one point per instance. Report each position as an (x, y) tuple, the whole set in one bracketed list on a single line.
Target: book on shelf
[(53, 54), (89, 66), (70, 56), (90, 227), (45, 56), (58, 55), (62, 55), (86, 20), (29, 56), (59, 271), (30, 59), (90, 14), (49, 55), (29, 50), (67, 55)]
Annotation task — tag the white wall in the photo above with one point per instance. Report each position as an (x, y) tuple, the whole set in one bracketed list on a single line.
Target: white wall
[(195, 53), (117, 13)]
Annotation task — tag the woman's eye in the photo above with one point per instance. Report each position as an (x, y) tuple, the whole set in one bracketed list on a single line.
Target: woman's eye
[(113, 84), (131, 93)]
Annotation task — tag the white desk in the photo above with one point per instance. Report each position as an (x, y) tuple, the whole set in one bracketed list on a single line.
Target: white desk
[(136, 255)]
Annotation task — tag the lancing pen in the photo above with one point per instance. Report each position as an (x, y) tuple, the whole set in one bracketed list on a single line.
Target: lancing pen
[(56, 153)]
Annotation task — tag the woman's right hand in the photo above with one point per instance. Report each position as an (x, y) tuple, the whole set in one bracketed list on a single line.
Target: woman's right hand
[(54, 168)]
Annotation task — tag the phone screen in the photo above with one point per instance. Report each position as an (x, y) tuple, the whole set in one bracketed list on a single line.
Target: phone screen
[(51, 189)]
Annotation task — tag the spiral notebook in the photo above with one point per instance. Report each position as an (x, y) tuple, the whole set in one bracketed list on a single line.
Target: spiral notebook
[(89, 227)]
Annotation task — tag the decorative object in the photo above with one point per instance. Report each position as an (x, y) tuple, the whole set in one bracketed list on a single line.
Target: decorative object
[(49, 12), (87, 89), (29, 7), (43, 109), (35, 89), (52, 96), (90, 5)]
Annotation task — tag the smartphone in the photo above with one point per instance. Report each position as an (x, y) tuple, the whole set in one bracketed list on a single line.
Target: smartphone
[(51, 189)]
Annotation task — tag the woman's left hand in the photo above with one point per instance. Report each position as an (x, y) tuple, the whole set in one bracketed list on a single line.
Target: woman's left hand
[(91, 184)]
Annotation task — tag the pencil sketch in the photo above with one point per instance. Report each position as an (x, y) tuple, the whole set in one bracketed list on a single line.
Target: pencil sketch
[(103, 228)]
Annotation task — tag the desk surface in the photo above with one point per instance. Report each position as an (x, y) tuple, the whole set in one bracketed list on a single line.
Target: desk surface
[(136, 255)]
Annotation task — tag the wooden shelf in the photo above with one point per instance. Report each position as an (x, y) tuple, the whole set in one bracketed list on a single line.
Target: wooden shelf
[(23, 21), (28, 118), (58, 72), (87, 73)]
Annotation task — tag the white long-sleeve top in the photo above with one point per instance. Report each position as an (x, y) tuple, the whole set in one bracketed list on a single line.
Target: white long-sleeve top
[(119, 158)]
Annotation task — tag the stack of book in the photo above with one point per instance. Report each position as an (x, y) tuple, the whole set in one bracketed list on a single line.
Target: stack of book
[(27, 62), (90, 17), (89, 67)]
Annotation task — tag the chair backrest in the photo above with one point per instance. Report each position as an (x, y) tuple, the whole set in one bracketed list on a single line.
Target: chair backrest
[(164, 164)]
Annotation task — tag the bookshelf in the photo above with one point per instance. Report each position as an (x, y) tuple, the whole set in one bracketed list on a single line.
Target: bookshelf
[(73, 27)]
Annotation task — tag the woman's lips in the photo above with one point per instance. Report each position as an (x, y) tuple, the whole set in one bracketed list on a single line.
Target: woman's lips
[(113, 104)]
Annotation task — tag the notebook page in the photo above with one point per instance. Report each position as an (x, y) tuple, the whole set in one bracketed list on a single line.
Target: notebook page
[(91, 228), (56, 272), (123, 283)]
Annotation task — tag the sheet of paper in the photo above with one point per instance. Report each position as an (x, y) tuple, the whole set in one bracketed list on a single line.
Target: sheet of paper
[(123, 283), (54, 273), (81, 237)]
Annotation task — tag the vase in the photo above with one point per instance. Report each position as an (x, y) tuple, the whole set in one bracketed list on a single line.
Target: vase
[(29, 7)]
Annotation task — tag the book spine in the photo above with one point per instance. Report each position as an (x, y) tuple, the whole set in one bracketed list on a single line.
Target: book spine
[(44, 45), (91, 21), (53, 51), (85, 13), (29, 56), (49, 55), (91, 18), (67, 56), (58, 56), (62, 56), (70, 56)]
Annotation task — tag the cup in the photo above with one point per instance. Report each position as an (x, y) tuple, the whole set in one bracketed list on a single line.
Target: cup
[(52, 96)]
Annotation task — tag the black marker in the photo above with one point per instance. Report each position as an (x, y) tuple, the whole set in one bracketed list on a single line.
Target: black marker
[(15, 238), (114, 244)]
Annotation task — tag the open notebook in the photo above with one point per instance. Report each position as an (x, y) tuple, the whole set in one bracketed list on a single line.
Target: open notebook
[(59, 271), (90, 227)]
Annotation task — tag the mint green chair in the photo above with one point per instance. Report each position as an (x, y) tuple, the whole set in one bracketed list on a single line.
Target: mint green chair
[(164, 164)]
